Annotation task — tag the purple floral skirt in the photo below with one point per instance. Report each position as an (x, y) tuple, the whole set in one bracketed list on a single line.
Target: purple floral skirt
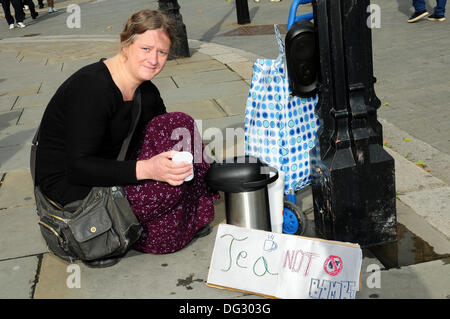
[(171, 215)]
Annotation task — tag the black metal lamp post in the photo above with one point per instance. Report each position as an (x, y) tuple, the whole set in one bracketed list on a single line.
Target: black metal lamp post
[(352, 175), (243, 15), (172, 9)]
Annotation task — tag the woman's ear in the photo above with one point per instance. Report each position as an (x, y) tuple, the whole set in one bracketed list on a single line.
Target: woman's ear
[(124, 51)]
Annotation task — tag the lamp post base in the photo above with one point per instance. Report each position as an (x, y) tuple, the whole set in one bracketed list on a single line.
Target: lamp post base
[(171, 8)]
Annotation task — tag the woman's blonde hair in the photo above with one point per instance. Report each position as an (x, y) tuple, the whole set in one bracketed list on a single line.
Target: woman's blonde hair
[(143, 21)]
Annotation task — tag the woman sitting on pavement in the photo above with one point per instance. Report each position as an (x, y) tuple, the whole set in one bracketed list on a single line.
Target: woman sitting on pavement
[(88, 118)]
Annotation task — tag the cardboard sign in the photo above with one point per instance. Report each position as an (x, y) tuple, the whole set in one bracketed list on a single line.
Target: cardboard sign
[(283, 266)]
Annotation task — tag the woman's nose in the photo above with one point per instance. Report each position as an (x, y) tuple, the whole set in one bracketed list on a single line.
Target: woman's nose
[(153, 57)]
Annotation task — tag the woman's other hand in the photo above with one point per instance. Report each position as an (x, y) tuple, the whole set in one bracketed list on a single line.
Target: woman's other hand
[(162, 168)]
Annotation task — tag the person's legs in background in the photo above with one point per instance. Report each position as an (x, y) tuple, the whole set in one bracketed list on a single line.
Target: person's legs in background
[(6, 4), (419, 5), (439, 11), (19, 15), (32, 8), (420, 11), (51, 6)]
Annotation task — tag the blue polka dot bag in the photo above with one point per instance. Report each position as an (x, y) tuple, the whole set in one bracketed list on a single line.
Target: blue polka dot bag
[(280, 129)]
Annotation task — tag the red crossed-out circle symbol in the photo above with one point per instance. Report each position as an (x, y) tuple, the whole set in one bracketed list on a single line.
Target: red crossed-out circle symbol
[(333, 265)]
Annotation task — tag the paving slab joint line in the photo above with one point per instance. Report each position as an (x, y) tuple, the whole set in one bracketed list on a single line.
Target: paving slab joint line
[(20, 205), (220, 107), (2, 179), (232, 70), (36, 277), (174, 82), (15, 101), (39, 88), (20, 257)]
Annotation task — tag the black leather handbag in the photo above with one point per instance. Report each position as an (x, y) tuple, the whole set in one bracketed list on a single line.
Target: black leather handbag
[(102, 225)]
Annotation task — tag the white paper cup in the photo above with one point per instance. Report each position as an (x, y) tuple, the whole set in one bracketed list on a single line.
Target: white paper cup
[(184, 157), (276, 202)]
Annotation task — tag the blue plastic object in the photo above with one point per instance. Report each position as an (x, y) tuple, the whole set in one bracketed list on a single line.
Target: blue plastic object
[(290, 222), (293, 13)]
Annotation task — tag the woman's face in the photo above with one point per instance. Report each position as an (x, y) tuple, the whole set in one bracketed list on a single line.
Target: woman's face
[(147, 55)]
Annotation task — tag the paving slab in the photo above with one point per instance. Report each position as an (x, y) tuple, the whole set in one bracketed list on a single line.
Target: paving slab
[(227, 58), (193, 67), (196, 56), (34, 59), (199, 110), (50, 87), (14, 157), (40, 99), (422, 229), (19, 82), (409, 177), (17, 277), (8, 57), (70, 67), (9, 118), (46, 73), (369, 266), (243, 68), (23, 69), (23, 90), (6, 101), (433, 205), (230, 122), (32, 114), (201, 78), (208, 91), (233, 105), (20, 231), (164, 83), (416, 149), (430, 280), (17, 189), (212, 49), (17, 134)]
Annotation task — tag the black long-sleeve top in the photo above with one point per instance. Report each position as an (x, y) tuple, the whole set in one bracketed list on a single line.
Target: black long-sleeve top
[(82, 131)]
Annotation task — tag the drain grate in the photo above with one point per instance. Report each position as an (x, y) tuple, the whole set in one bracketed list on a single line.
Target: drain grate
[(245, 30)]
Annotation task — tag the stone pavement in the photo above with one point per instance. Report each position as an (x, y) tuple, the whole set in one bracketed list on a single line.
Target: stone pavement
[(211, 86)]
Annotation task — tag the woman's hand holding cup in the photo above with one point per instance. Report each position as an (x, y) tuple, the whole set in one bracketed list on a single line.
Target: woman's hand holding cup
[(164, 168)]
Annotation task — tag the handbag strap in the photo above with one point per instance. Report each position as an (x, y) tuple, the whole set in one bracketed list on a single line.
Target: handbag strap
[(136, 113), (135, 109)]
